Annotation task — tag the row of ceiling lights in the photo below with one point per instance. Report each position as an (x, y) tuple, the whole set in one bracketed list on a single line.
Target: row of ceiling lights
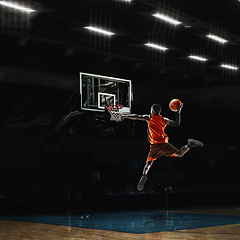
[(162, 48), (152, 45)]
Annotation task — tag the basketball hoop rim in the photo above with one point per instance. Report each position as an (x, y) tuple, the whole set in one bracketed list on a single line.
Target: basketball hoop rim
[(113, 107)]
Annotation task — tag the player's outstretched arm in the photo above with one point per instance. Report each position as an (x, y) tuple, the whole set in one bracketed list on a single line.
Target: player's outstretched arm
[(177, 121), (135, 117)]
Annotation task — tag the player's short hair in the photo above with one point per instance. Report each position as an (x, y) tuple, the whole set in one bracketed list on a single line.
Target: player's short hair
[(156, 108)]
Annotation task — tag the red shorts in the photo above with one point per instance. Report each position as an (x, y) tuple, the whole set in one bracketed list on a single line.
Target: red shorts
[(161, 149)]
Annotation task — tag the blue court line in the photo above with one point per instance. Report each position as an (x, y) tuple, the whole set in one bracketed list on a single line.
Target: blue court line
[(132, 221)]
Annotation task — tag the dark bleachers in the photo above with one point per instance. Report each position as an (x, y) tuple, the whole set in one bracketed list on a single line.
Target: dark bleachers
[(167, 184)]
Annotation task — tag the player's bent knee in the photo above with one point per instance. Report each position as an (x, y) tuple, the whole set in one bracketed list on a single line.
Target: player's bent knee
[(150, 159), (177, 155), (181, 152)]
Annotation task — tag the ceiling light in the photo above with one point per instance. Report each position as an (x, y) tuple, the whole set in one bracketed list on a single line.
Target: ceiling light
[(216, 38), (99, 30), (16, 6), (198, 58), (229, 67), (156, 46), (166, 19)]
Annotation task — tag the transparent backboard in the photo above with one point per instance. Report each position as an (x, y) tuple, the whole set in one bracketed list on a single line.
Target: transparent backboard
[(98, 91)]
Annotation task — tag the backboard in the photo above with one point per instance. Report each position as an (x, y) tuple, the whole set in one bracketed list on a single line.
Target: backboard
[(98, 91)]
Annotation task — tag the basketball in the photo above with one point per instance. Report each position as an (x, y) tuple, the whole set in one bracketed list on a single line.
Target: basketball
[(174, 104)]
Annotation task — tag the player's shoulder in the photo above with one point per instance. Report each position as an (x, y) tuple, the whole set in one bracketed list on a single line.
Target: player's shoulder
[(166, 120), (146, 116)]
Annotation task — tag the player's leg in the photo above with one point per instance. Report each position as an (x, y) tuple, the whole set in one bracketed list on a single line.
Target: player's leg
[(154, 153), (166, 149), (184, 149), (143, 179)]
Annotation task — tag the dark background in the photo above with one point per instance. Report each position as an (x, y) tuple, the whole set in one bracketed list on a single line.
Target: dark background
[(43, 53)]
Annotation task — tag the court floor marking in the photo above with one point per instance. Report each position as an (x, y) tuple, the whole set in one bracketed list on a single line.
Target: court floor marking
[(26, 230), (139, 222), (218, 211)]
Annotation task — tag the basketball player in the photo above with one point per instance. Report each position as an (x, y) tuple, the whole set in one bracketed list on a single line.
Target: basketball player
[(157, 138)]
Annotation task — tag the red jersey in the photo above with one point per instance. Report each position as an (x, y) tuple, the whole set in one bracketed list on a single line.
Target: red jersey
[(156, 126)]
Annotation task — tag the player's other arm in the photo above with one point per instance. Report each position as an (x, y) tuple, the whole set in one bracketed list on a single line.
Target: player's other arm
[(135, 117), (177, 121)]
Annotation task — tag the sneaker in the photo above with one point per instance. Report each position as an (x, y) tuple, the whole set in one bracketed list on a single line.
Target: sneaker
[(141, 183), (194, 143)]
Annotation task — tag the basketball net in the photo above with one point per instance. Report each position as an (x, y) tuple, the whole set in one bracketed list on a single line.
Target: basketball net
[(114, 111)]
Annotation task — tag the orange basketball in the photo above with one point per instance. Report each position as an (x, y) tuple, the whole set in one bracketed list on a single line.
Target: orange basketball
[(174, 104)]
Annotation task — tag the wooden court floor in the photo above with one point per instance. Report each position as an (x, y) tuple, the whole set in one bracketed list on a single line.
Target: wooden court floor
[(195, 223)]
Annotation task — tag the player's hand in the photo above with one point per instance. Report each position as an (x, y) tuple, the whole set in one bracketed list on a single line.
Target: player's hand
[(122, 117), (179, 108)]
